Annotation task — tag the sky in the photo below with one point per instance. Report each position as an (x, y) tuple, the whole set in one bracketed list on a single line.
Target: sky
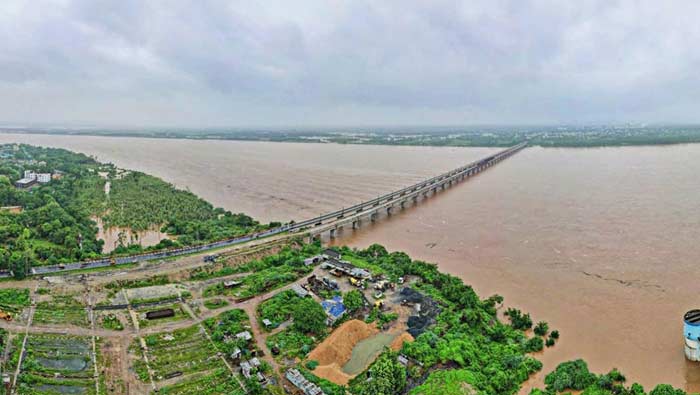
[(200, 63)]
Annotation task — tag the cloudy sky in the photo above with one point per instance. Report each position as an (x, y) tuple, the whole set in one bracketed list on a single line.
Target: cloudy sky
[(313, 63)]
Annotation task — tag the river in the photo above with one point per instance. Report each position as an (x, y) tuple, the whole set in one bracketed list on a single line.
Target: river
[(601, 243)]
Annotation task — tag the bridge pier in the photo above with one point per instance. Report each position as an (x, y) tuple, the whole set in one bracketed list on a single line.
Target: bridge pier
[(388, 210), (356, 224), (403, 204), (373, 216), (332, 233)]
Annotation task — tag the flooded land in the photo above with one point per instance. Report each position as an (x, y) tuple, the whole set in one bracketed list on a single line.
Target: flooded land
[(602, 242)]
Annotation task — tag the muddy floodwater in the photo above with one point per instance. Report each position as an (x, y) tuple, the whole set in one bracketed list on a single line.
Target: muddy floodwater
[(601, 243)]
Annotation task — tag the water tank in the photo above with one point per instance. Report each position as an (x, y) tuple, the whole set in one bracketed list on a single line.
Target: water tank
[(691, 333)]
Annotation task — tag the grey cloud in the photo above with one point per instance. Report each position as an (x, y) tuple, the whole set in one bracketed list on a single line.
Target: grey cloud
[(234, 63)]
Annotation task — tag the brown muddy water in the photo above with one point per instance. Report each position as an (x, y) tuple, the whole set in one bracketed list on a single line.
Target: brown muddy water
[(601, 243)]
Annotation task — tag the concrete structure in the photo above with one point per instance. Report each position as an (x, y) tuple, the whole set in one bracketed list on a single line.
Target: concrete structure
[(299, 381), (43, 177), (245, 369), (245, 335), (331, 254), (313, 260), (691, 332), (164, 313), (25, 182), (299, 290), (347, 268)]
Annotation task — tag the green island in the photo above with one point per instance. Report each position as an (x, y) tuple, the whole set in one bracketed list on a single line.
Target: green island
[(53, 219), (256, 320)]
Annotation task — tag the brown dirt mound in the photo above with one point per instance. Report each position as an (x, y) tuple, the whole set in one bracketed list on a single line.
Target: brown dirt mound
[(337, 348), (398, 342), (332, 373)]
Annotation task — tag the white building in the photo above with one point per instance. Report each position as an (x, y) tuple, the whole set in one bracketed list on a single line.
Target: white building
[(40, 177)]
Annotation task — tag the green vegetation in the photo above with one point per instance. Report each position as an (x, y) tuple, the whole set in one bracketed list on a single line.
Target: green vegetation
[(519, 320), (388, 377), (278, 308), (183, 351), (291, 343), (110, 321), (467, 335), (309, 317), (56, 222), (541, 328), (287, 259), (353, 300), (216, 382), (575, 376), (447, 382), (180, 314), (213, 304), (267, 274), (138, 283), (14, 300), (223, 329), (308, 323), (61, 309)]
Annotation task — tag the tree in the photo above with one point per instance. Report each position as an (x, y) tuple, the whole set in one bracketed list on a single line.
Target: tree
[(353, 300), (519, 320), (571, 375), (534, 344), (541, 328), (665, 389), (375, 251), (309, 316), (388, 377)]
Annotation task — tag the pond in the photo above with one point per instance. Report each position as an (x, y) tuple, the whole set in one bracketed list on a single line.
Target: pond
[(61, 389), (75, 364), (365, 351)]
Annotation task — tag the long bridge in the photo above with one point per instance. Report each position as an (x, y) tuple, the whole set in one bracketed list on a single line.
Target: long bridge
[(313, 228)]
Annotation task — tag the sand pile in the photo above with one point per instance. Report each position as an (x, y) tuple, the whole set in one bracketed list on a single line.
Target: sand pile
[(398, 342), (336, 350)]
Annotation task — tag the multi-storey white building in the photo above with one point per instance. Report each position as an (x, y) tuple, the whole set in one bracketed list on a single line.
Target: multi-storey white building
[(43, 177)]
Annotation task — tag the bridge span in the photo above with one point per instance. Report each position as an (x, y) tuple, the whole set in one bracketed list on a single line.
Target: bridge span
[(352, 216), (314, 227)]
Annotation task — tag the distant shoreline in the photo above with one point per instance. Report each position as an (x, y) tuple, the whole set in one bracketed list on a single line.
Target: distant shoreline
[(570, 139)]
